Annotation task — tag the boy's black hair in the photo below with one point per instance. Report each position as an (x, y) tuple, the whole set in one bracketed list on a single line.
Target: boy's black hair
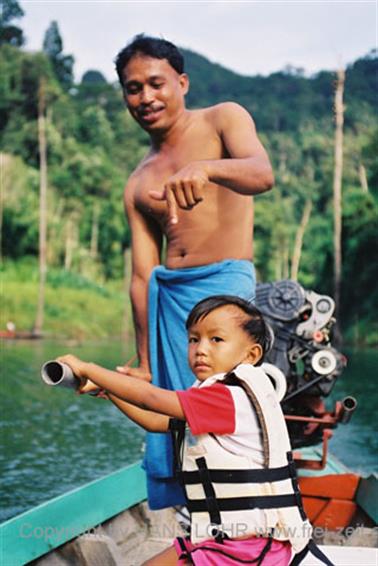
[(152, 47), (255, 325)]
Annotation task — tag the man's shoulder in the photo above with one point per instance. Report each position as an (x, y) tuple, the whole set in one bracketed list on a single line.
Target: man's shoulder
[(131, 183), (131, 186), (142, 166), (228, 107), (222, 114)]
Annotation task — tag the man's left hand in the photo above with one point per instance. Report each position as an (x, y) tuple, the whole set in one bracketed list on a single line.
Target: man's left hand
[(140, 372)]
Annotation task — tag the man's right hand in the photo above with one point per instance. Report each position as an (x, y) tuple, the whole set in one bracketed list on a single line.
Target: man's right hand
[(184, 189), (140, 372)]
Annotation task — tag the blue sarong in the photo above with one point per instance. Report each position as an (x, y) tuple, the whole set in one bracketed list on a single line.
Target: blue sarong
[(172, 295)]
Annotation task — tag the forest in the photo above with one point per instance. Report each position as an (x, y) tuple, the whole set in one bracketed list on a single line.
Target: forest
[(93, 145)]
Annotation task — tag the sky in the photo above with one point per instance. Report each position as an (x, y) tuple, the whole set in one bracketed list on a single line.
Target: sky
[(248, 37)]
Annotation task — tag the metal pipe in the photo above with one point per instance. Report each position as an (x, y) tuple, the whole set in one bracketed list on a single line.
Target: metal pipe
[(57, 373), (348, 406)]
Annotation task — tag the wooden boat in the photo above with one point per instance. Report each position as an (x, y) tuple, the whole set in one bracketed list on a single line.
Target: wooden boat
[(19, 335), (107, 522)]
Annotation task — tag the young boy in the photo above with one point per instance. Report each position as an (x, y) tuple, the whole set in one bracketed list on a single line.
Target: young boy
[(232, 449)]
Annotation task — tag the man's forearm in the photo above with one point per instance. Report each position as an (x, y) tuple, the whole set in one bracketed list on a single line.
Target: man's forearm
[(247, 176), (139, 299)]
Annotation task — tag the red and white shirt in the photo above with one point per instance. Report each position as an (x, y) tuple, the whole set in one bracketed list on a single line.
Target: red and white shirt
[(226, 411)]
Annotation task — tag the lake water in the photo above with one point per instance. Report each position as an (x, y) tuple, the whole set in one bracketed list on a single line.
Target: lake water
[(53, 440)]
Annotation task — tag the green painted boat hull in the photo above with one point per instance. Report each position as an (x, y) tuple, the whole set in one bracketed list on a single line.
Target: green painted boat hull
[(38, 531)]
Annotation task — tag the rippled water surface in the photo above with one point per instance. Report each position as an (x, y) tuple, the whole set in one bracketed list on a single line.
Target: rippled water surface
[(356, 444), (53, 440)]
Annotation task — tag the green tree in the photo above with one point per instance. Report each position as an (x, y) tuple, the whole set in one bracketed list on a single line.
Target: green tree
[(370, 155), (21, 74), (62, 64), (93, 77), (95, 128), (360, 272), (19, 208), (9, 33)]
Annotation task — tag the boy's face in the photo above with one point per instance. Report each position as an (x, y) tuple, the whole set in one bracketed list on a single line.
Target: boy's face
[(218, 343)]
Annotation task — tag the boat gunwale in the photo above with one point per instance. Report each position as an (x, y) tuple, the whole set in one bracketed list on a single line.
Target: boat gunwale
[(58, 520)]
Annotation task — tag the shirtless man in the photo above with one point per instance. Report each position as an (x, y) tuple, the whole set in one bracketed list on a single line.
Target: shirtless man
[(193, 188)]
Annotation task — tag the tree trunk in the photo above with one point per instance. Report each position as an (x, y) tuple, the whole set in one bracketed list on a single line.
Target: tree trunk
[(299, 240), (3, 162), (363, 178), (337, 186), (278, 265), (285, 260), (94, 232), (70, 239), (42, 146), (54, 235), (6, 180)]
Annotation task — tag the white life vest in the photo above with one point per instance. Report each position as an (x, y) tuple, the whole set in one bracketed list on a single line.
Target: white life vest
[(223, 489)]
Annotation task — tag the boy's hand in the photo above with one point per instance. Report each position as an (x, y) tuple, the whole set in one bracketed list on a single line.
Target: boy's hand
[(78, 366), (89, 387)]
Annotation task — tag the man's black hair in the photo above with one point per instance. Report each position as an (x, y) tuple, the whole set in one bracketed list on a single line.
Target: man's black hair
[(152, 47), (254, 325)]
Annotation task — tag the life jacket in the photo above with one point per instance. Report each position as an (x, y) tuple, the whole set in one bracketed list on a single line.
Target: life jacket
[(223, 489)]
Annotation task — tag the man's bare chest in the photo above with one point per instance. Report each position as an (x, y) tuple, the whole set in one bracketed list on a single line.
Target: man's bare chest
[(159, 168)]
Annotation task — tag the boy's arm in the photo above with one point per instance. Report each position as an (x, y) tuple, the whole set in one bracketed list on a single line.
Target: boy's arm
[(131, 389), (150, 421)]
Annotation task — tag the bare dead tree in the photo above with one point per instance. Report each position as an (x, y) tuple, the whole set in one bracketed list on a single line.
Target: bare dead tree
[(95, 231), (4, 159), (337, 188), (285, 259), (70, 242), (363, 178), (42, 146), (53, 235), (298, 243)]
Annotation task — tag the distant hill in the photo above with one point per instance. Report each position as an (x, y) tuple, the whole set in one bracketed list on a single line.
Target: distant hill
[(285, 100)]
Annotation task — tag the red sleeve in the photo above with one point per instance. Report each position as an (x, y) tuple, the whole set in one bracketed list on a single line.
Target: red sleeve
[(208, 409)]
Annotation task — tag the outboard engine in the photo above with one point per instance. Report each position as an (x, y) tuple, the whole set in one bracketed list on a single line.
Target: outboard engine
[(302, 350)]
